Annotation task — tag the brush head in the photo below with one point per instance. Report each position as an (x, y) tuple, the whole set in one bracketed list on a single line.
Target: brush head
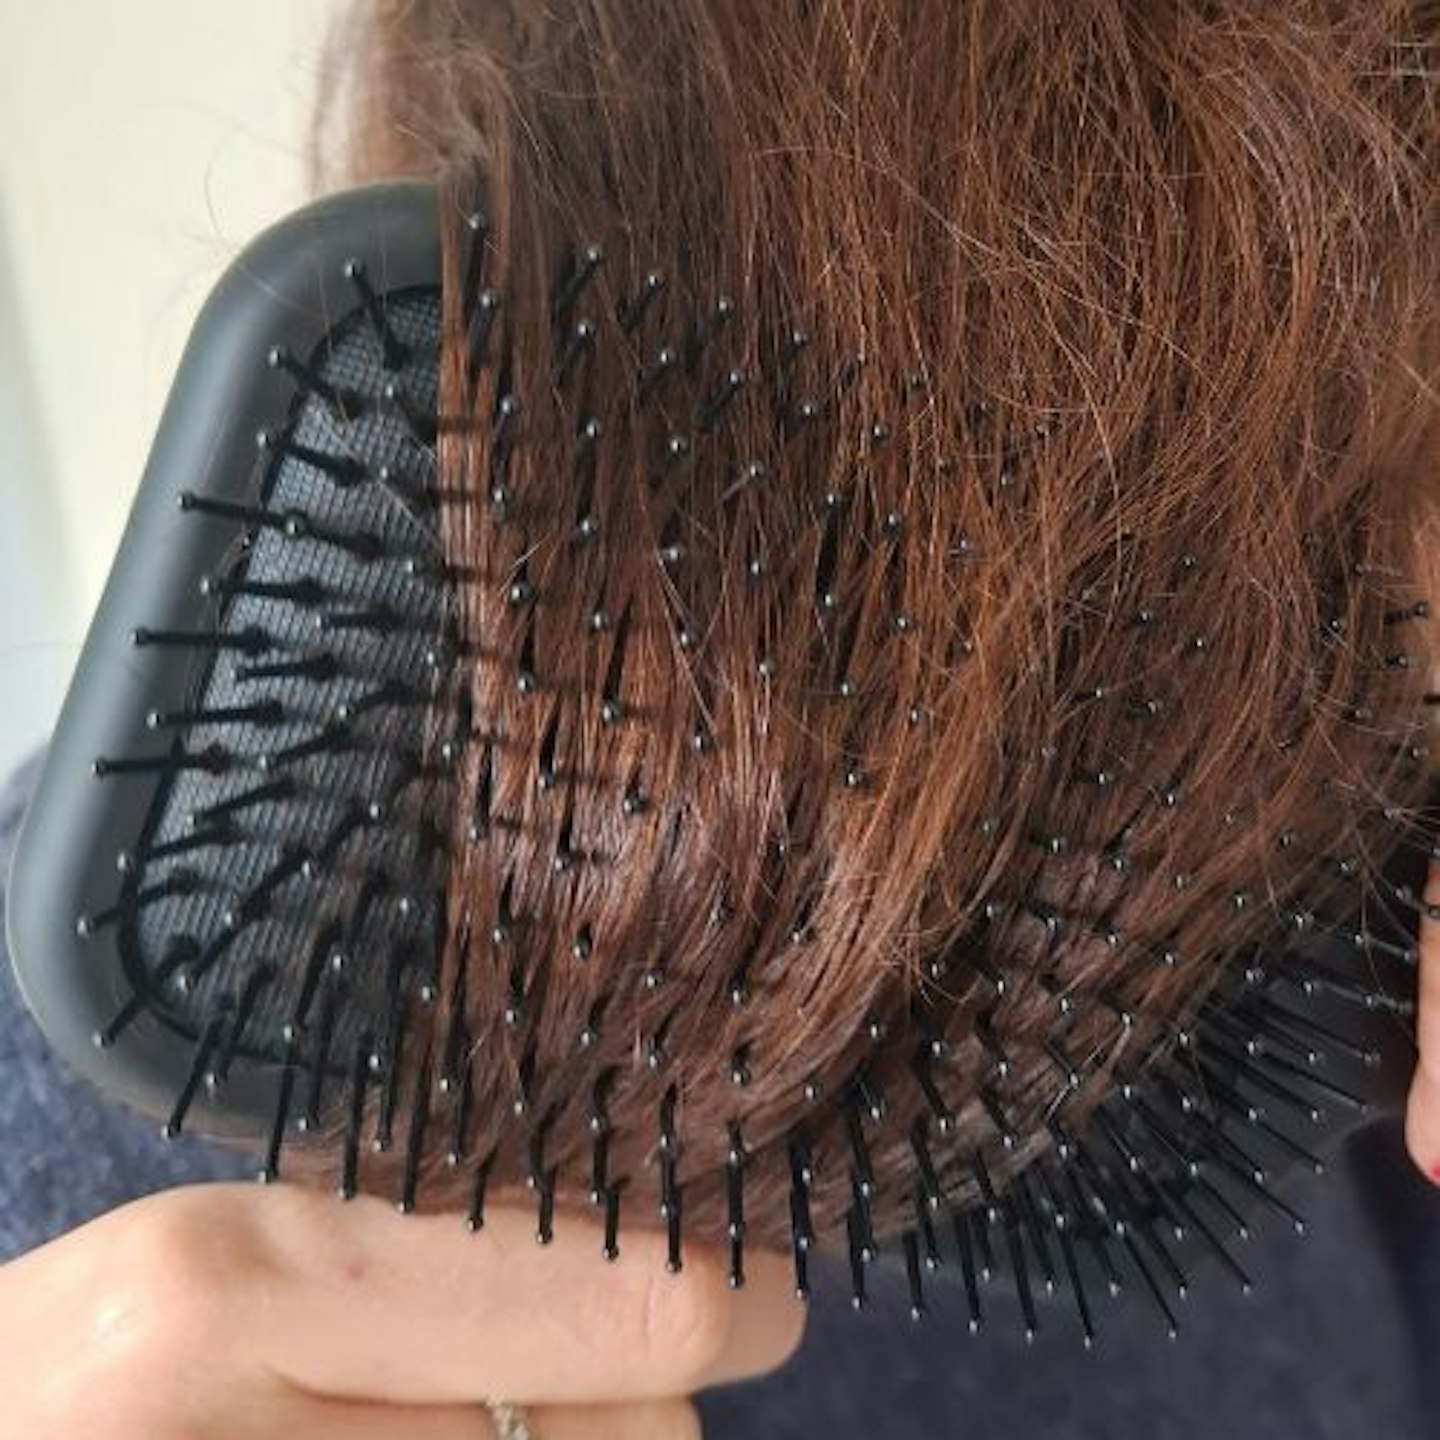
[(234, 900), (275, 606)]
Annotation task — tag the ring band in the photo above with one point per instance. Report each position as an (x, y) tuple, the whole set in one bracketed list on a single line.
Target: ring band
[(511, 1422)]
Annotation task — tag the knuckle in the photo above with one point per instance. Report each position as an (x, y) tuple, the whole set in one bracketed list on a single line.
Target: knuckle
[(170, 1276)]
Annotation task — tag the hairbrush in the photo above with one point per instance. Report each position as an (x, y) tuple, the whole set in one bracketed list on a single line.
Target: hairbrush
[(233, 902)]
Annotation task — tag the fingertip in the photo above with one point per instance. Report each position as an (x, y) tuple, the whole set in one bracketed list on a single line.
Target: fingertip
[(1422, 1124), (767, 1322)]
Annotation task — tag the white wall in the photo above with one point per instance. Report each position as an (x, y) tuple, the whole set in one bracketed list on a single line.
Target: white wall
[(142, 143)]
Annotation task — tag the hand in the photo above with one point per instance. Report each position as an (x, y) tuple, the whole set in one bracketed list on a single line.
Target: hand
[(237, 1311), (1422, 1112)]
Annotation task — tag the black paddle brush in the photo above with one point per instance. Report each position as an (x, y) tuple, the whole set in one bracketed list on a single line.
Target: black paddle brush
[(229, 902)]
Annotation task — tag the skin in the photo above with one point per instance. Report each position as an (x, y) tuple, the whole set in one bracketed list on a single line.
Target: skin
[(1422, 1111), (236, 1311)]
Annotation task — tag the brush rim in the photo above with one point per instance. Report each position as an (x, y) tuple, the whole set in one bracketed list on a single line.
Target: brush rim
[(286, 288)]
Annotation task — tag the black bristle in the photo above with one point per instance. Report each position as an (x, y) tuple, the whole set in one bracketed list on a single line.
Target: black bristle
[(1034, 1228), (672, 1206), (664, 363), (1019, 1268), (598, 1120), (456, 1032), (255, 984), (480, 326), (263, 712), (735, 1207), (612, 1223), (911, 1246), (475, 1213), (203, 1050), (1291, 1147), (478, 224), (1212, 1241), (1233, 1217), (585, 262), (925, 1228), (213, 759), (375, 884), (306, 591), (319, 667), (1111, 1133), (187, 979), (631, 313), (960, 1223), (393, 349), (342, 404), (535, 1174), (422, 424), (980, 1223), (250, 515), (981, 1173), (397, 1020), (800, 1176), (704, 330), (1331, 1088), (480, 818), (1172, 1325), (319, 1060), (800, 1244), (353, 819), (1274, 1019), (710, 413), (864, 1222), (929, 1179), (1157, 1246), (1095, 1237), (270, 1171), (525, 1082), (344, 471), (579, 342), (131, 902), (857, 1261), (735, 1269), (859, 1150), (257, 900), (319, 961), (984, 1031), (359, 1078), (460, 1118), (216, 837), (545, 1217), (1077, 1285), (333, 738), (921, 1069), (599, 1166)]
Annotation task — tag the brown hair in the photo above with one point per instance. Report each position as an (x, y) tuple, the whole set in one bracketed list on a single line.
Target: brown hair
[(1026, 634)]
